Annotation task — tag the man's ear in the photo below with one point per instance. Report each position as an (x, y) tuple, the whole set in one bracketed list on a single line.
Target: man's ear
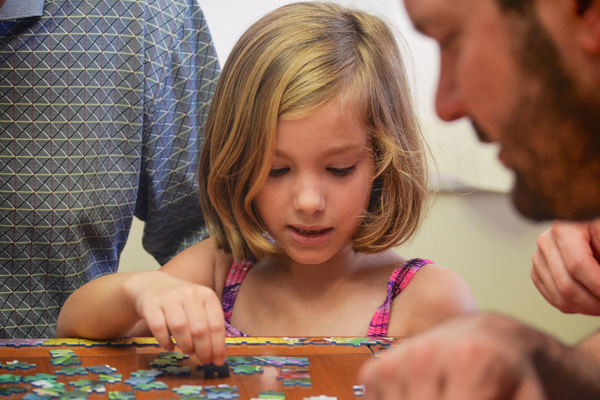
[(589, 14)]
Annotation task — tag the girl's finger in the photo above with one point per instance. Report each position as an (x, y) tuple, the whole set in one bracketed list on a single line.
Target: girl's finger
[(216, 327), (178, 326), (156, 321), (198, 325)]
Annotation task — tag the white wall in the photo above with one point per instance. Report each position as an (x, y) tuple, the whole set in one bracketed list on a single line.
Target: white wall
[(478, 235)]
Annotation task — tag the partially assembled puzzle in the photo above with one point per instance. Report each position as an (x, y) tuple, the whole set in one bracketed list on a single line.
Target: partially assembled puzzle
[(97, 379)]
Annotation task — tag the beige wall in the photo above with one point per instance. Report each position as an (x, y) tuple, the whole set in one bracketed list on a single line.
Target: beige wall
[(479, 236)]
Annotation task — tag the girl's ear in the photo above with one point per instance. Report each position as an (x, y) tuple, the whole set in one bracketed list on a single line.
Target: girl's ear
[(589, 14)]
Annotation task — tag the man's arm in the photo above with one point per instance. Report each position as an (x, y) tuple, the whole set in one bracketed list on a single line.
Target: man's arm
[(484, 357)]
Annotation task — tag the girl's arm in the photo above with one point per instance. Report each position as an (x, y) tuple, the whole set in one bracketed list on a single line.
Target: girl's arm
[(434, 294), (178, 300)]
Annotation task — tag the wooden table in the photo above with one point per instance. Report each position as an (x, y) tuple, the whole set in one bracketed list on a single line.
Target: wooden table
[(333, 367)]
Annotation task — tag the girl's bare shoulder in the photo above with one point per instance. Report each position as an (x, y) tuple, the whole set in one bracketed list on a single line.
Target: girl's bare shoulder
[(433, 294)]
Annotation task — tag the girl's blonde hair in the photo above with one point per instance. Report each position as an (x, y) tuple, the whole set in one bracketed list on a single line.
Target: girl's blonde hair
[(287, 65)]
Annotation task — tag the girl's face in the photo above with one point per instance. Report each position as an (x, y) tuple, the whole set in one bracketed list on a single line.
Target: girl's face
[(319, 185)]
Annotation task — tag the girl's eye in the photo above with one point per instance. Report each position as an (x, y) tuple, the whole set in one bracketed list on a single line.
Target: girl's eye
[(342, 171), (278, 172)]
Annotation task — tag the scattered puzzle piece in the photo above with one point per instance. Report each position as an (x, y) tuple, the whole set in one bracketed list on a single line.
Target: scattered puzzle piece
[(143, 373), (298, 376), (12, 365), (173, 355), (38, 377), (211, 369), (65, 360), (110, 378), (194, 397), (271, 394), (177, 371), (89, 385), (164, 362), (187, 390), (116, 395), (62, 353), (70, 371), (139, 380), (359, 390), (221, 392), (102, 369), (48, 384), (10, 390), (149, 386), (49, 392), (74, 395), (33, 396), (10, 378), (246, 369)]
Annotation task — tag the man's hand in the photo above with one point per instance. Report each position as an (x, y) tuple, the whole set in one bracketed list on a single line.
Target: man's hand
[(566, 270), (469, 358)]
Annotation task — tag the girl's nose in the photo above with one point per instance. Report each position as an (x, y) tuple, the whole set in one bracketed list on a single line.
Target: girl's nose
[(309, 196)]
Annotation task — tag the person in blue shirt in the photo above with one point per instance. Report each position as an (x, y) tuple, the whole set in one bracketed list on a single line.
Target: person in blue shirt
[(102, 108)]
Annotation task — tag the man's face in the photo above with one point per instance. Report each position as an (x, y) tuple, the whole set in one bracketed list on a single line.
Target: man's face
[(503, 71)]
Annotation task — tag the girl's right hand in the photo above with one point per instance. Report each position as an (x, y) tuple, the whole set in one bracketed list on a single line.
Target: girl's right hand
[(189, 312)]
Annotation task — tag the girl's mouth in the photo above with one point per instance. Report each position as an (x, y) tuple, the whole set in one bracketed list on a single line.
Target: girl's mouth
[(310, 237)]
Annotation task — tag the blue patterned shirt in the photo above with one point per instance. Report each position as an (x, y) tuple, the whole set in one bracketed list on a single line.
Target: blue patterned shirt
[(102, 106)]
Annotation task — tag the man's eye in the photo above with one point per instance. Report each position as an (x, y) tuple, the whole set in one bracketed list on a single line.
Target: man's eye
[(276, 172), (342, 171)]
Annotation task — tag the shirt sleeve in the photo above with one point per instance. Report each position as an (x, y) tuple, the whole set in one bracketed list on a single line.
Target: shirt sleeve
[(181, 72)]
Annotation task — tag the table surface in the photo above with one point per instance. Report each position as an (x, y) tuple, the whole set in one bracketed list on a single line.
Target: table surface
[(333, 367)]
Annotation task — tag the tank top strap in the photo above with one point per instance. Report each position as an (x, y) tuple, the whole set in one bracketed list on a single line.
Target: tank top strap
[(234, 279), (398, 281)]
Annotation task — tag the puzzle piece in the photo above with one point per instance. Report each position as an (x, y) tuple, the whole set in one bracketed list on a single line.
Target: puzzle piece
[(359, 390), (70, 371), (211, 369), (194, 397), (143, 373), (12, 365), (65, 360), (188, 390), (62, 353), (154, 385), (10, 378), (74, 395), (281, 361), (33, 396), (89, 385), (38, 377), (234, 360), (292, 377), (111, 378), (246, 369), (221, 392), (102, 369), (49, 392), (177, 371), (321, 397), (175, 355), (139, 380), (48, 384), (10, 390), (164, 362), (116, 395), (271, 394)]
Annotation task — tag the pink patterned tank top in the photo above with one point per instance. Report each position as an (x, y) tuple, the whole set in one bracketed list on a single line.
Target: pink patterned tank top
[(379, 323)]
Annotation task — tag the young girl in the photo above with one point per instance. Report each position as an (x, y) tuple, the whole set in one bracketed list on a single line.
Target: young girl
[(312, 171)]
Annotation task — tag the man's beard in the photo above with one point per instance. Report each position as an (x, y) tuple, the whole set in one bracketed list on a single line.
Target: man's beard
[(557, 112)]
